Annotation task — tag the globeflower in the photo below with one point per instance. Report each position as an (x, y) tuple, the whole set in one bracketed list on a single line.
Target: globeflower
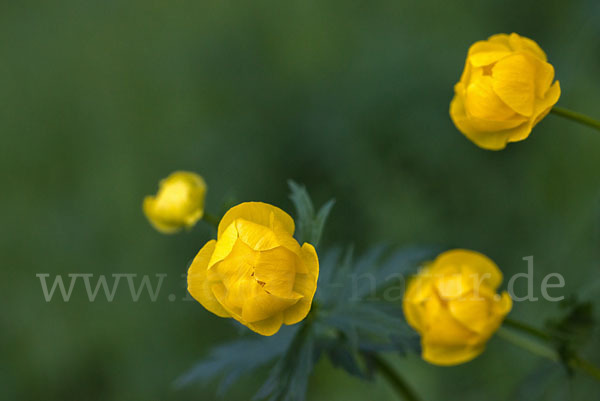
[(256, 272), (505, 90), (452, 303), (179, 202)]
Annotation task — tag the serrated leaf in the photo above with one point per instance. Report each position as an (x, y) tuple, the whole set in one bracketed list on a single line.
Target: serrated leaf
[(371, 325), (576, 325), (341, 309), (348, 281), (346, 297), (288, 380), (239, 357), (342, 355), (400, 265), (328, 264), (334, 274), (320, 220), (309, 225), (305, 210)]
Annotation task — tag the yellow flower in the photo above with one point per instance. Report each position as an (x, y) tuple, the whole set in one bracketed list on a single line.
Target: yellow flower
[(505, 89), (178, 203), (256, 272), (453, 305)]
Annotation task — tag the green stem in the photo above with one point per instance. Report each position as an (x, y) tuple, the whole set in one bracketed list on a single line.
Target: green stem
[(587, 367), (387, 371), (575, 116), (529, 329), (515, 336), (211, 219), (533, 346)]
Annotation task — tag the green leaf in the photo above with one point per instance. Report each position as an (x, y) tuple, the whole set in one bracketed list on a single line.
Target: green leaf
[(373, 326), (378, 269), (288, 380), (576, 324), (309, 225), (573, 330), (342, 355), (319, 221), (344, 323), (232, 360), (351, 302)]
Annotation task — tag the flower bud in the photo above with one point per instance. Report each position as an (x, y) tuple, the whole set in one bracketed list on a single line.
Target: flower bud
[(256, 272), (178, 203), (452, 303), (505, 90)]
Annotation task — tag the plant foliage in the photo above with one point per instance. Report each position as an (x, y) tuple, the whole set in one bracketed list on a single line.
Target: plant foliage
[(352, 315)]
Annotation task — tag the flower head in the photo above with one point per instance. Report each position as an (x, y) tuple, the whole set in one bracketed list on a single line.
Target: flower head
[(453, 305), (178, 203), (505, 90), (256, 272)]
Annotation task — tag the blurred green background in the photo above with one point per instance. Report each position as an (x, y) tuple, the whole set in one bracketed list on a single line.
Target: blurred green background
[(101, 99)]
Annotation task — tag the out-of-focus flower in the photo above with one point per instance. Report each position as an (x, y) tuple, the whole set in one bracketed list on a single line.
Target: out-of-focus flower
[(505, 90), (178, 203), (256, 272), (454, 306)]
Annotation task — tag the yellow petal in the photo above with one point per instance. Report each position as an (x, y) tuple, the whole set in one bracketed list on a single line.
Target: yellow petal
[(224, 245), (259, 213), (473, 311), (453, 286), (481, 101), (484, 53), (471, 126), (503, 305), (413, 313), (418, 292), (310, 261), (500, 38), (543, 106), (544, 74), (198, 284), (419, 287), (305, 284), (155, 220), (487, 140), (453, 305), (256, 236), (220, 293), (276, 268), (262, 305), (500, 306), (238, 264), (178, 203), (466, 74), (521, 43), (504, 90), (442, 328), (449, 356), (471, 263), (269, 326), (486, 320), (513, 82), (241, 291), (286, 240)]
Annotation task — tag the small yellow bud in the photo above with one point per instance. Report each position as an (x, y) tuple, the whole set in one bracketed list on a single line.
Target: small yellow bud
[(505, 90), (453, 305), (256, 272), (178, 203)]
